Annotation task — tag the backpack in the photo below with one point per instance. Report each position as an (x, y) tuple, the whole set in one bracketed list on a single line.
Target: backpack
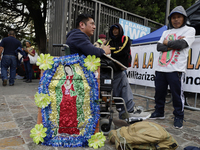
[(142, 135), (129, 55)]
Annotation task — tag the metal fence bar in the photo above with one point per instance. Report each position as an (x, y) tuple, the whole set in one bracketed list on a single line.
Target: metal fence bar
[(62, 14)]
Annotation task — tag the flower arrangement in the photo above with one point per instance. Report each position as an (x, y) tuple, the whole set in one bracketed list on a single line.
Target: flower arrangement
[(50, 94)]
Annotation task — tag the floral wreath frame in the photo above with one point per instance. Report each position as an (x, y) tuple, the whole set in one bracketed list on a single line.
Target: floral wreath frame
[(70, 140)]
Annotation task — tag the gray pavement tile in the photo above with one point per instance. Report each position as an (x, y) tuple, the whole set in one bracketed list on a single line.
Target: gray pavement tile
[(19, 115), (6, 118), (33, 146), (26, 135), (192, 138), (8, 133), (25, 123), (174, 131)]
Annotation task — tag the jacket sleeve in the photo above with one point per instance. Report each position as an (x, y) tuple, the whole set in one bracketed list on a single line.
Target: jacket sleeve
[(177, 44), (80, 43), (88, 48), (125, 47), (161, 47)]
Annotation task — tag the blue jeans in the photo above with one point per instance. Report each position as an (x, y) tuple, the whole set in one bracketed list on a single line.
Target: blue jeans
[(28, 69), (6, 62)]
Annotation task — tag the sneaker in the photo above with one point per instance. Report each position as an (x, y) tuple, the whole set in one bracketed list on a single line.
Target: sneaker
[(178, 123), (139, 114), (156, 115), (4, 82)]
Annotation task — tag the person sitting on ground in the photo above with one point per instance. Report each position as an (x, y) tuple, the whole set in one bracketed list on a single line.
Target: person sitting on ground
[(173, 46), (101, 41), (79, 42)]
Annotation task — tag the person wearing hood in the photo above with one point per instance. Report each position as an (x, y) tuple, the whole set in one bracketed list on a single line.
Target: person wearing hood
[(173, 48), (119, 45), (101, 41), (78, 41)]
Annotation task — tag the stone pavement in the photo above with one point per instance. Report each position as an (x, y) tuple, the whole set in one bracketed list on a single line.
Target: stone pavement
[(18, 115)]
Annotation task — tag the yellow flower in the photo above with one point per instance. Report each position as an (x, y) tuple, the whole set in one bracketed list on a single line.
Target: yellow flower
[(42, 100), (97, 140), (45, 61), (92, 63), (38, 133)]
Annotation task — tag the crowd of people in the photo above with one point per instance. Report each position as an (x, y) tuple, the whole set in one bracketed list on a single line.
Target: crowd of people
[(10, 47), (177, 39)]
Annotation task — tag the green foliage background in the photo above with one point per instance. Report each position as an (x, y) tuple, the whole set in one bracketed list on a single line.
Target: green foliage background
[(151, 9)]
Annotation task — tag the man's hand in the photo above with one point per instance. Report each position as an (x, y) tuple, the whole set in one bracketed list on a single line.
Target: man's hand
[(107, 49)]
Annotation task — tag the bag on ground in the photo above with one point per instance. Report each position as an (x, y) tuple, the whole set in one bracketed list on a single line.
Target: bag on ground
[(144, 136)]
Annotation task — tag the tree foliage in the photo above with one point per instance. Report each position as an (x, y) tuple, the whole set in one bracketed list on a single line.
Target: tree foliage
[(18, 14), (151, 9)]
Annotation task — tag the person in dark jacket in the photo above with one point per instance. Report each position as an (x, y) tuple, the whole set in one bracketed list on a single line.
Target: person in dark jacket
[(8, 45), (78, 41), (173, 48), (119, 44)]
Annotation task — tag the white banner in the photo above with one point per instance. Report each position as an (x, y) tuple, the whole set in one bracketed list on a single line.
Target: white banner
[(145, 57)]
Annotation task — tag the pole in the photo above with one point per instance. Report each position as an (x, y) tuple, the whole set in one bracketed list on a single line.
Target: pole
[(167, 11)]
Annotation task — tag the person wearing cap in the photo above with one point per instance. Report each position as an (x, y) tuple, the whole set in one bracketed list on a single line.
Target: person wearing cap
[(101, 41), (28, 67), (173, 48)]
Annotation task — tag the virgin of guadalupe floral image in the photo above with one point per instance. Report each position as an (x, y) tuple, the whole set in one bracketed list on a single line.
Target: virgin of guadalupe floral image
[(68, 111)]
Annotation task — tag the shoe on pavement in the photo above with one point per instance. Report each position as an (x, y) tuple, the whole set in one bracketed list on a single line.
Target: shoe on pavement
[(139, 114), (29, 81), (11, 84), (156, 115), (4, 82), (25, 80), (178, 123)]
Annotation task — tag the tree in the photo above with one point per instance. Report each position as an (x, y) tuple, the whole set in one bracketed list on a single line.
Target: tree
[(151, 9), (17, 14)]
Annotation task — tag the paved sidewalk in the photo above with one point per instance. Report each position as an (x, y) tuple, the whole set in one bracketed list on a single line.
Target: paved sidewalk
[(18, 115)]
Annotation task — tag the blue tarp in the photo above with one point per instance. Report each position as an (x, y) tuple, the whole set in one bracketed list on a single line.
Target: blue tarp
[(151, 37)]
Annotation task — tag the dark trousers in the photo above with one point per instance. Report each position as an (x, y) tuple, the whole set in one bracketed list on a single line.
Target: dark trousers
[(6, 62), (28, 69), (175, 82)]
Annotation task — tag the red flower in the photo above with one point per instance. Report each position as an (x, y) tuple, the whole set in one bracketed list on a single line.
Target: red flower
[(176, 56), (175, 59), (173, 62)]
